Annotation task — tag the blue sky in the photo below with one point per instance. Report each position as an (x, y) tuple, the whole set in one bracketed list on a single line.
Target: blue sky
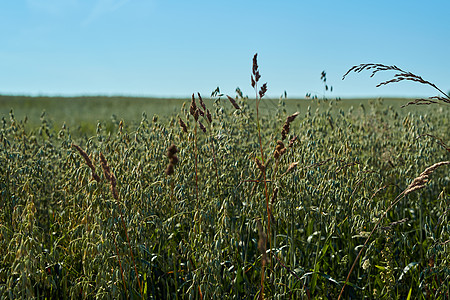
[(174, 48)]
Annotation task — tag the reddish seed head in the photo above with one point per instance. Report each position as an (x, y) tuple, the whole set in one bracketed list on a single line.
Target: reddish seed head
[(201, 101), (291, 142), (196, 115), (169, 170), (233, 102), (255, 64), (171, 150), (173, 160), (208, 116), (202, 127), (183, 125), (291, 118), (263, 90), (193, 107)]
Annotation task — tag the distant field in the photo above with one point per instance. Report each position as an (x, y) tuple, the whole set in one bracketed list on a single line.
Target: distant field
[(85, 112)]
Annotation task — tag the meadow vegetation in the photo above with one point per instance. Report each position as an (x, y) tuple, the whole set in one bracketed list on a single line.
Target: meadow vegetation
[(227, 198)]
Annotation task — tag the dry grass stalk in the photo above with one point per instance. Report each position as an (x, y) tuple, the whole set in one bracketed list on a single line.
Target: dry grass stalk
[(272, 202), (291, 167), (109, 176), (417, 184), (401, 75), (88, 162), (262, 242)]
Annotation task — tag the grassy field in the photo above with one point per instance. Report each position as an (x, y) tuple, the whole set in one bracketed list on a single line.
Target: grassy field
[(83, 113), (225, 198), (124, 228)]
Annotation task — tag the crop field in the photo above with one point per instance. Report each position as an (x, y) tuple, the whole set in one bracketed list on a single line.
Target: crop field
[(224, 198)]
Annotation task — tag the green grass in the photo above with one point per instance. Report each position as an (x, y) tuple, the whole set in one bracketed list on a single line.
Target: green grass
[(62, 235), (83, 113)]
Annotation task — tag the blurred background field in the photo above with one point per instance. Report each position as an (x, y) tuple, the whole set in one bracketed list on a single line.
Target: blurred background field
[(83, 113)]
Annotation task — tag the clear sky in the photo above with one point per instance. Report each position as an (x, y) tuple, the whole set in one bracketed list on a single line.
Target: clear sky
[(174, 48)]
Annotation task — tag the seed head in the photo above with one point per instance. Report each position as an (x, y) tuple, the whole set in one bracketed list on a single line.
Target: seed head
[(196, 115), (201, 101), (263, 90), (292, 140), (233, 102), (255, 64), (169, 170), (260, 165), (420, 181), (183, 125), (193, 107), (173, 160), (291, 118), (172, 150), (202, 127), (208, 116)]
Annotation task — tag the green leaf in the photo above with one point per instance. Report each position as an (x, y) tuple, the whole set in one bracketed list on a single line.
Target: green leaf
[(409, 294)]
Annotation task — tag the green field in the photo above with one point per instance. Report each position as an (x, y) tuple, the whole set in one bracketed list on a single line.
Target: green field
[(83, 113), (132, 231)]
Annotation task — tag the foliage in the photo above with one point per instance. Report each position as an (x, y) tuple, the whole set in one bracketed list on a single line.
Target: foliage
[(197, 233)]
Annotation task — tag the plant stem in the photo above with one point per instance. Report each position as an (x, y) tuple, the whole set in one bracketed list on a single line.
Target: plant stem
[(396, 200)]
